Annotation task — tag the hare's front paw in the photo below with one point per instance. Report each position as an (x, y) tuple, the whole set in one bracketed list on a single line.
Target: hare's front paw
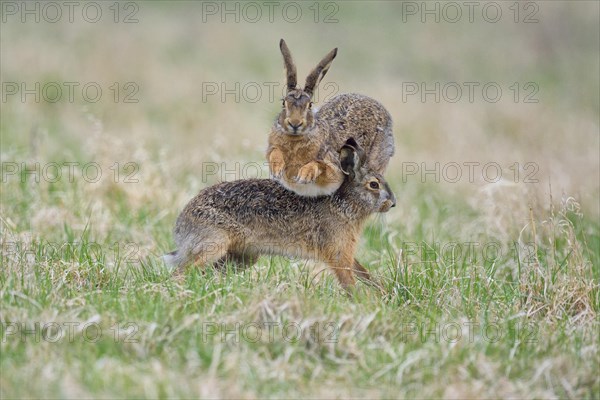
[(276, 164), (276, 170), (308, 173)]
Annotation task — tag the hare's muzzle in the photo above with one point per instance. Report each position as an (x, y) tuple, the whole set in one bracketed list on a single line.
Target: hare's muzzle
[(389, 202), (294, 127)]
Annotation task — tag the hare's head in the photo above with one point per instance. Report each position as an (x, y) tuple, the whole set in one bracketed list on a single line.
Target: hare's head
[(369, 187), (296, 117)]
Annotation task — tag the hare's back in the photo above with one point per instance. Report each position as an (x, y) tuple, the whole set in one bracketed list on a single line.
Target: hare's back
[(364, 119), (250, 200)]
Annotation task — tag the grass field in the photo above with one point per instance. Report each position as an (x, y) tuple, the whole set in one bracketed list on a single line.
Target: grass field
[(490, 260)]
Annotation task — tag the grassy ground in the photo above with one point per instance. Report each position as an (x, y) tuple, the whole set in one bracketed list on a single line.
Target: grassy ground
[(492, 283)]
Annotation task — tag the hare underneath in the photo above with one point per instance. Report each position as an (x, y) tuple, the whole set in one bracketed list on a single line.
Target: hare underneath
[(238, 221), (304, 144)]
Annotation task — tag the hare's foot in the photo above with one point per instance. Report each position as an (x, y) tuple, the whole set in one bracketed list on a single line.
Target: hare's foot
[(276, 163), (308, 173)]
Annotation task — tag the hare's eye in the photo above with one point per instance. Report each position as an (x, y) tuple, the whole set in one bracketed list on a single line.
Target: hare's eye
[(310, 104), (374, 185), (283, 102)]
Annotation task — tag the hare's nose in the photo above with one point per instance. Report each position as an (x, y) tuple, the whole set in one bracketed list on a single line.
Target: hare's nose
[(392, 198), (295, 126)]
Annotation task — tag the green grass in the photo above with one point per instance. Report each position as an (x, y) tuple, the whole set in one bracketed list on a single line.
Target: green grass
[(504, 324), (491, 288)]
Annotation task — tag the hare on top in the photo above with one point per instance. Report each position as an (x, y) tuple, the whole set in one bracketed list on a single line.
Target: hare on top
[(304, 144)]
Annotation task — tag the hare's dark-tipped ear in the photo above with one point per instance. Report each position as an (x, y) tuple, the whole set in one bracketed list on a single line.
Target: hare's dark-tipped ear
[(350, 157), (313, 79), (290, 67)]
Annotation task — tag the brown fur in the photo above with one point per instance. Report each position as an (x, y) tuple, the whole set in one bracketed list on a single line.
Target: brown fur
[(303, 145), (238, 221)]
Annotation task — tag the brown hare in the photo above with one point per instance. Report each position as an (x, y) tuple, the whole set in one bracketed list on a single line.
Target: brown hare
[(240, 220), (304, 144)]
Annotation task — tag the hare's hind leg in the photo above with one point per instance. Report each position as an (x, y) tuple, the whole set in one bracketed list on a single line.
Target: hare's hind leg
[(203, 251)]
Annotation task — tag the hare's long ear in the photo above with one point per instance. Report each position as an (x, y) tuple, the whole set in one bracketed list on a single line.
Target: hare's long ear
[(313, 79), (290, 67), (351, 158)]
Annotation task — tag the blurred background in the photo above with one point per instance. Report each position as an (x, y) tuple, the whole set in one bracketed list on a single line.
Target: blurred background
[(495, 106)]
